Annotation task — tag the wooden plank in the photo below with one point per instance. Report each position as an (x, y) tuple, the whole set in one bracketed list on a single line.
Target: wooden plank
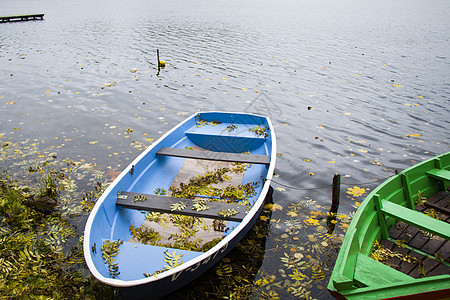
[(433, 245), (408, 267), (163, 204), (440, 270), (409, 234), (373, 273), (397, 230), (396, 262), (217, 156), (439, 174), (428, 264), (417, 219), (444, 251), (438, 208), (419, 240)]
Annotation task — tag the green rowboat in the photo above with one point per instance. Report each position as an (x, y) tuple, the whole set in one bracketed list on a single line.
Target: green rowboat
[(356, 275)]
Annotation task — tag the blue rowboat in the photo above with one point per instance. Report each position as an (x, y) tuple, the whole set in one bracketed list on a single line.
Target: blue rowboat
[(182, 204)]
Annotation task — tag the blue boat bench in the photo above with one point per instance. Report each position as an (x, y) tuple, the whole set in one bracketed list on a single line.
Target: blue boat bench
[(149, 202), (217, 156)]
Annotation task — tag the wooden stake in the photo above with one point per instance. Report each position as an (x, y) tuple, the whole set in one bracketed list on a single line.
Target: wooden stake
[(159, 65), (336, 193)]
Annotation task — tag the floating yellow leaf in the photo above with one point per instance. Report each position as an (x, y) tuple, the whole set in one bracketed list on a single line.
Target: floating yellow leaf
[(292, 214), (356, 191), (312, 238), (12, 102), (264, 218), (362, 151), (331, 161), (306, 160), (397, 85), (311, 174), (413, 135), (311, 221), (268, 206), (93, 142), (276, 206), (244, 89), (280, 189), (315, 213)]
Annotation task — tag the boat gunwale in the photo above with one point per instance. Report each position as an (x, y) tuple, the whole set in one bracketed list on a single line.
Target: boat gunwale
[(220, 247)]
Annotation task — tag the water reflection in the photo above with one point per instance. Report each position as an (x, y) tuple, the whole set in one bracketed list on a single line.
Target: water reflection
[(355, 87)]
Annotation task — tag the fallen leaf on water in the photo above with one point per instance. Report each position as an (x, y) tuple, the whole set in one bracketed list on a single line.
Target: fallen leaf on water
[(356, 191), (292, 214), (276, 206), (311, 221), (280, 189), (12, 102), (331, 161), (264, 218), (413, 135)]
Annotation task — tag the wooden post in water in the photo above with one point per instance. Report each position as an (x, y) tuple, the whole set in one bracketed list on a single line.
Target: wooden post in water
[(331, 218), (336, 193), (159, 65)]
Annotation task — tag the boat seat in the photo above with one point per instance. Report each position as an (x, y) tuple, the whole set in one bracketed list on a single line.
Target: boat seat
[(149, 202), (217, 156), (439, 174), (415, 218)]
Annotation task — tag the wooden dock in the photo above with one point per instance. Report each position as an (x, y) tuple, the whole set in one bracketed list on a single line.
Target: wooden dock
[(20, 18), (432, 253)]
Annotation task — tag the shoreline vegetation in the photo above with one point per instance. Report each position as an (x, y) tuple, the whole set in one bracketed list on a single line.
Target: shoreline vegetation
[(41, 253)]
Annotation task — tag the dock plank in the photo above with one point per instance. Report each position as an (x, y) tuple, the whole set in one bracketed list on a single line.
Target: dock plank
[(18, 18)]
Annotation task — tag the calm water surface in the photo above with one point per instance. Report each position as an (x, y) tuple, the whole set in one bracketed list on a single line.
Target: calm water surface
[(359, 88)]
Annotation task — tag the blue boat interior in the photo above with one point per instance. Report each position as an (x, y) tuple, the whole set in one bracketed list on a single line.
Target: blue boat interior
[(236, 134)]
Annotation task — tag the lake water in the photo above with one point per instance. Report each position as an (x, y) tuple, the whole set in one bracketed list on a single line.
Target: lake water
[(359, 88)]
